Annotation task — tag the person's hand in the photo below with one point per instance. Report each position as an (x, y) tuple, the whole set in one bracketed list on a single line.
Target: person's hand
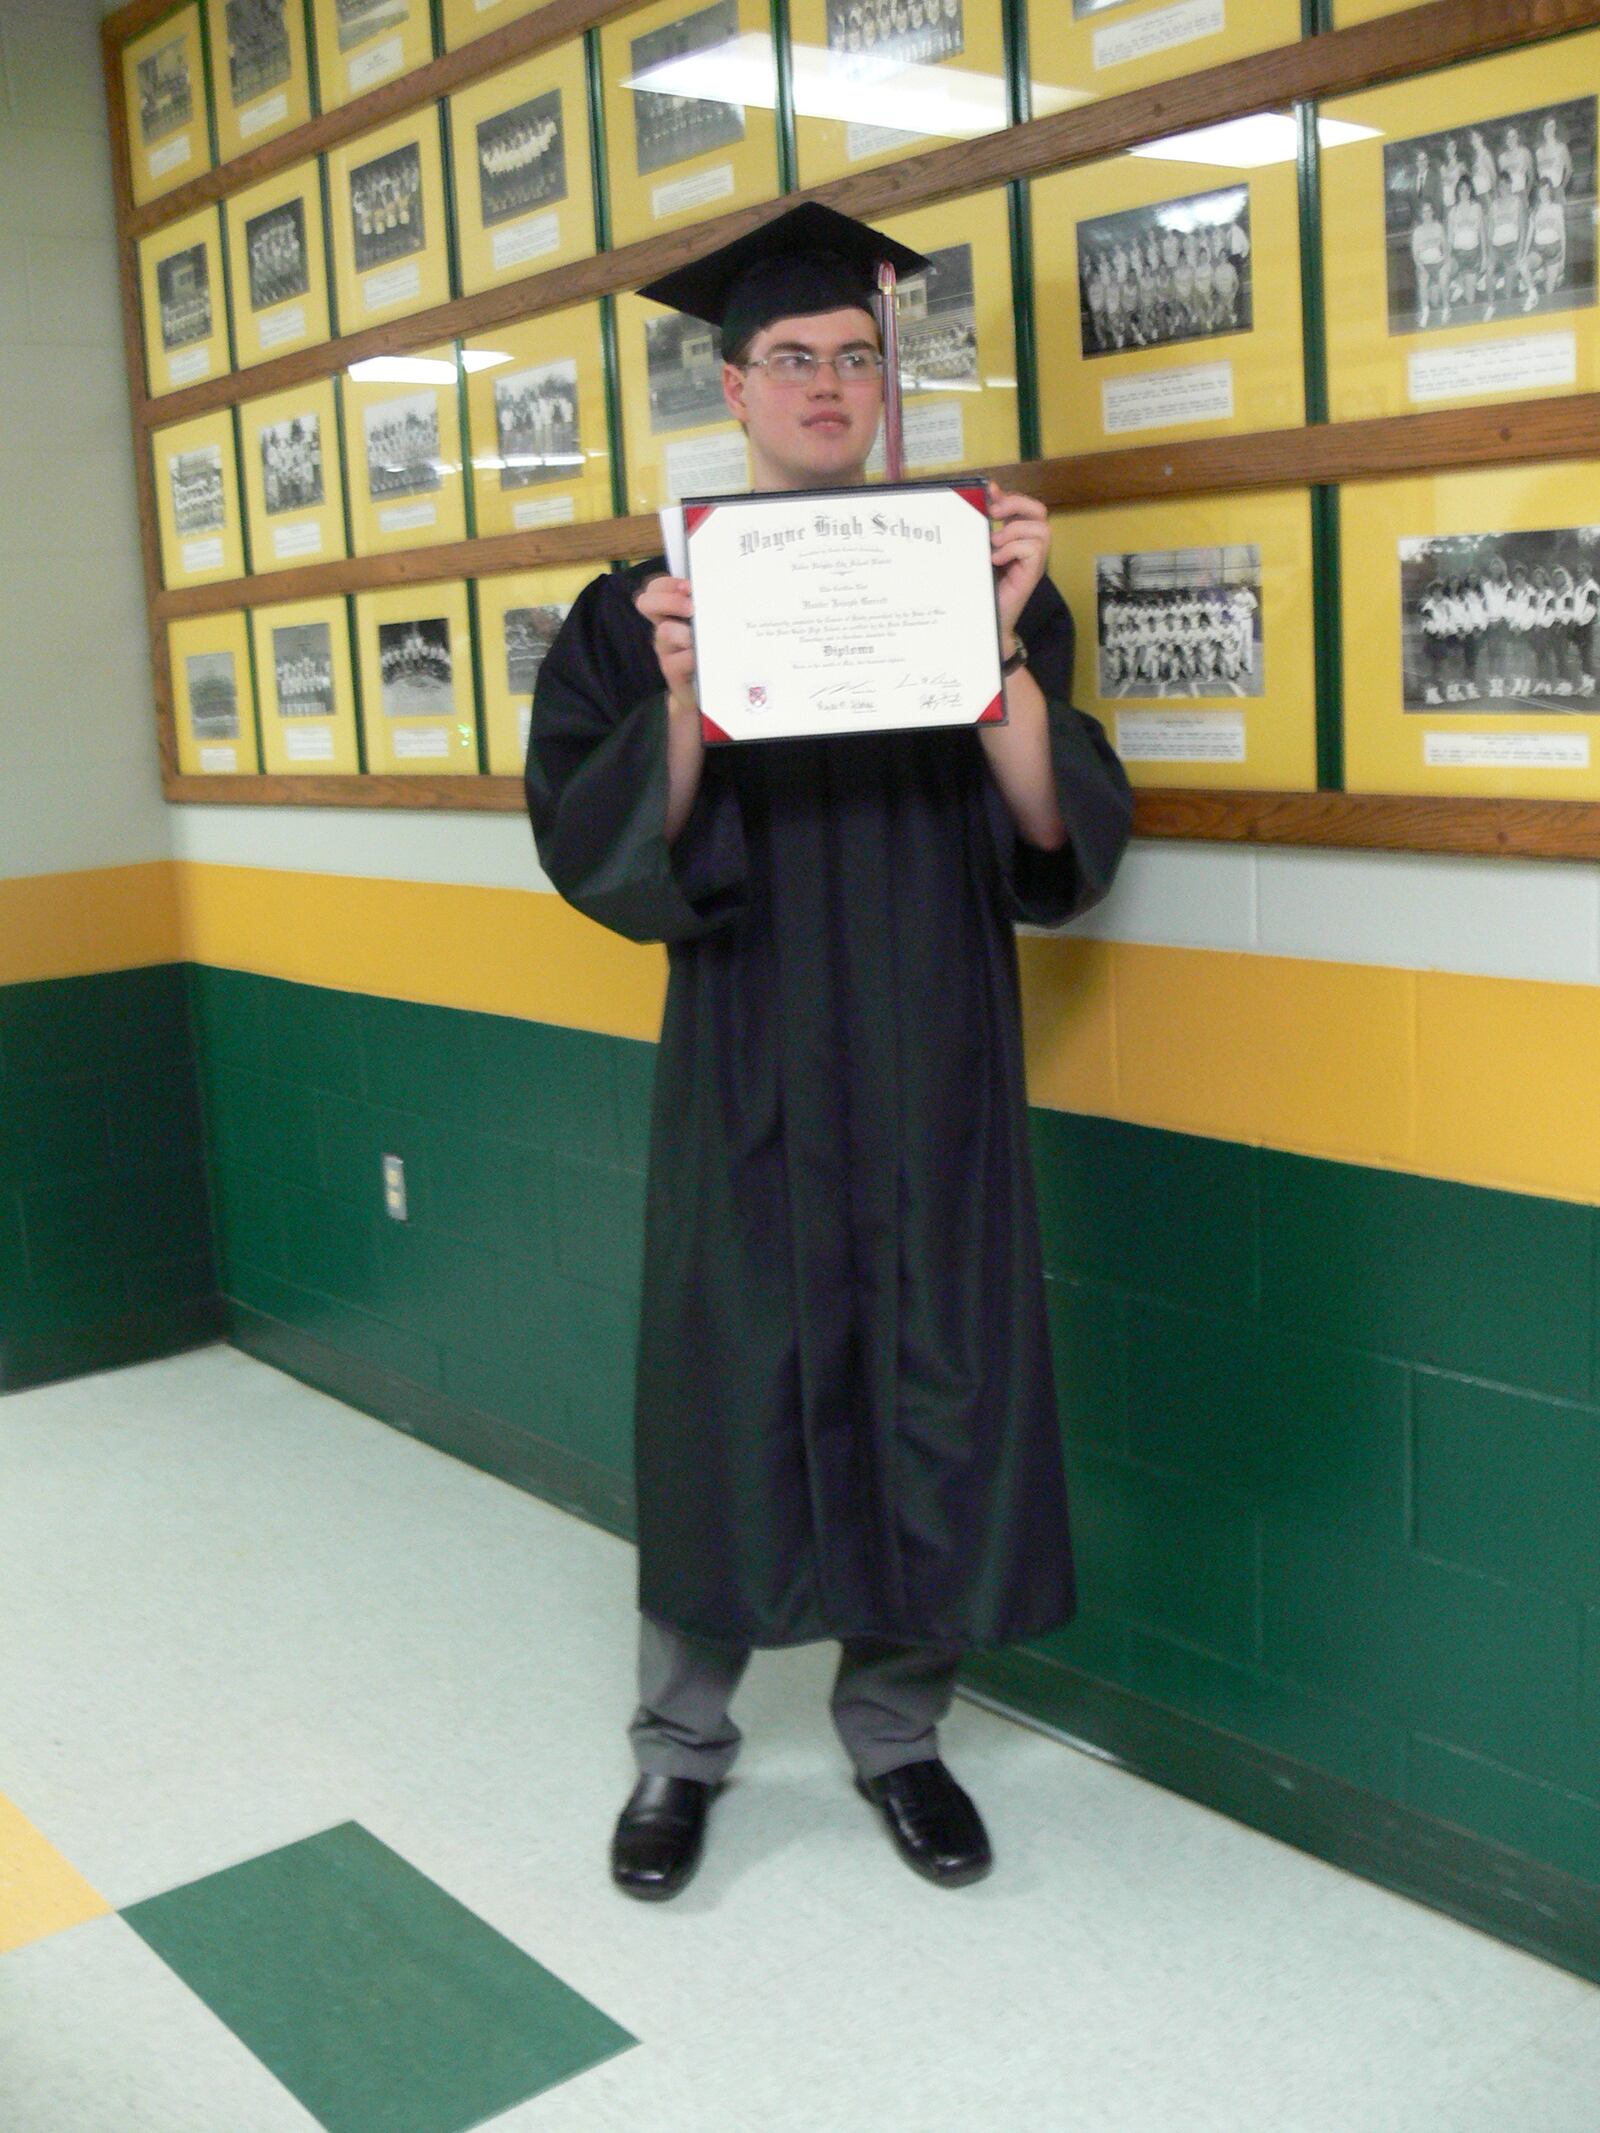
[(665, 604), (1020, 543)]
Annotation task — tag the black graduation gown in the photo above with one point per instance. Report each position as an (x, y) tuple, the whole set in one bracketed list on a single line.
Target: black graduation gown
[(845, 1420)]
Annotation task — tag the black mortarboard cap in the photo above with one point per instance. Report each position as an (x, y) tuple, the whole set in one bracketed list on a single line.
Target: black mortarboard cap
[(810, 259)]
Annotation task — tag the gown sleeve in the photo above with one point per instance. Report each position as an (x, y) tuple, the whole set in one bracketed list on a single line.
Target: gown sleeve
[(1092, 790), (596, 782)]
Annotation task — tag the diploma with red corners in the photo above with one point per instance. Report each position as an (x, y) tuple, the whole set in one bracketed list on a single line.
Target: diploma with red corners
[(862, 610)]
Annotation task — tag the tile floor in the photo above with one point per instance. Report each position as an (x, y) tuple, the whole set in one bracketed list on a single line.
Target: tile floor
[(240, 1617)]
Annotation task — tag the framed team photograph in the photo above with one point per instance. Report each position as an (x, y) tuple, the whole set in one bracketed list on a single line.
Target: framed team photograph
[(537, 422), (1459, 235), (1167, 294), (418, 704), (1196, 641), (293, 495), (197, 501), (1472, 656), (518, 617), (260, 71), (164, 90), (1079, 49), (185, 303), (466, 20), (306, 679), (278, 265), (213, 701), (390, 238), (878, 79), (680, 439), (361, 43), (403, 452), (678, 149), (520, 163)]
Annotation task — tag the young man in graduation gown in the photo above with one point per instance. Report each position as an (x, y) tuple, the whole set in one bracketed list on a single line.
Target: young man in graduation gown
[(846, 1425)]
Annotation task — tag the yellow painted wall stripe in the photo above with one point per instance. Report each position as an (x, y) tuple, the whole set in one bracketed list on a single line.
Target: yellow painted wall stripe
[(39, 1892), (80, 924)]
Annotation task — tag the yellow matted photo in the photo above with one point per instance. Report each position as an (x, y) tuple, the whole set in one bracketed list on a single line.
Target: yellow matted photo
[(518, 617), (1472, 633), (361, 43), (197, 501), (402, 422), (690, 93), (418, 711), (278, 265), (536, 414), (1458, 222), (293, 496), (1079, 49), (163, 84), (1195, 636), (871, 82), (524, 191), (213, 700), (185, 314), (678, 437), (1167, 294), (260, 72), (465, 20), (391, 249), (307, 683)]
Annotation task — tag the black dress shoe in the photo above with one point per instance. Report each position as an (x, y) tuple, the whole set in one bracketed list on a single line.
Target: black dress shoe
[(657, 1842), (935, 1827)]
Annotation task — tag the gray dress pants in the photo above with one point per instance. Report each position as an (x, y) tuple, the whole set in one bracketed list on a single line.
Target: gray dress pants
[(886, 1704)]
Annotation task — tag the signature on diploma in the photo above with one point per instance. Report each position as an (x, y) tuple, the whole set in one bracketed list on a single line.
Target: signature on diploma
[(933, 692)]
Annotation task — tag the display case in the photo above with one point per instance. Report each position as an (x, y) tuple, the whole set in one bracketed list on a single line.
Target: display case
[(517, 619), (536, 404), (213, 696), (307, 685), (363, 43), (418, 702), (391, 241), (402, 423), (164, 87), (184, 303), (260, 71), (278, 265), (520, 160), (293, 493), (197, 501)]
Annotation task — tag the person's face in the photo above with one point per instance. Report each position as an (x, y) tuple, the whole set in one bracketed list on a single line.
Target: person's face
[(815, 434)]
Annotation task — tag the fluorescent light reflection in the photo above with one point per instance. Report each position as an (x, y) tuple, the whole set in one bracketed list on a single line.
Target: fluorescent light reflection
[(1249, 143)]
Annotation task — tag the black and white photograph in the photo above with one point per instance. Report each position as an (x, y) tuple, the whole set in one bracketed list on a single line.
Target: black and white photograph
[(683, 363), (302, 667), (213, 696), (402, 442), (672, 129), (275, 249), (1180, 622), (361, 20), (196, 479), (938, 321), (258, 47), (1492, 221), (1150, 277), (166, 93), (1501, 622), (386, 207), (291, 464), (183, 291), (536, 423), (415, 670), (522, 159), (896, 33), (530, 632)]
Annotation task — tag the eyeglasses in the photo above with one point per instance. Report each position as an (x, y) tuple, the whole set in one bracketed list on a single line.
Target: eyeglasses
[(798, 366)]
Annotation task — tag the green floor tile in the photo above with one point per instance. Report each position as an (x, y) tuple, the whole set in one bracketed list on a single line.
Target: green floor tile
[(379, 2001)]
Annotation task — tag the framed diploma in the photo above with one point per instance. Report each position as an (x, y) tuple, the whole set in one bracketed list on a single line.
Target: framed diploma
[(536, 410), (1079, 49), (861, 610), (293, 494), (466, 19), (213, 701), (260, 71), (681, 142), (417, 699), (391, 251), (164, 85), (1167, 295), (1472, 633), (679, 437), (1458, 229), (361, 43), (197, 501), (185, 312), (307, 685), (1195, 636), (278, 262), (518, 617), (402, 417), (519, 148), (873, 80)]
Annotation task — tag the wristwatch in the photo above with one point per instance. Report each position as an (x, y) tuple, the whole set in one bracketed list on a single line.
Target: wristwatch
[(1019, 658)]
